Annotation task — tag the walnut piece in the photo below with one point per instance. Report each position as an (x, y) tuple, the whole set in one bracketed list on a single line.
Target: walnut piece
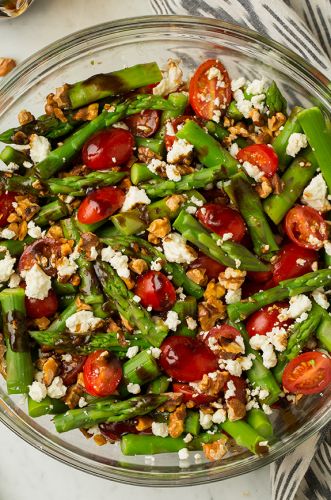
[(138, 266), (198, 275), (276, 121), (232, 279), (6, 65), (216, 450), (74, 393), (42, 323), (25, 117), (236, 409), (160, 227), (174, 202), (3, 370), (144, 423), (214, 290), (213, 385), (50, 370), (264, 188), (176, 421), (87, 113), (209, 312), (145, 155)]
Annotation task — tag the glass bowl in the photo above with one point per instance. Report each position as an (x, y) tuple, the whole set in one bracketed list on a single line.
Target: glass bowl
[(111, 46)]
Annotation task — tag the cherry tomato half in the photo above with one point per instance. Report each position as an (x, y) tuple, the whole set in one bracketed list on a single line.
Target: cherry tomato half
[(222, 220), (306, 227), (212, 267), (261, 155), (156, 291), (33, 254), (293, 261), (190, 395), (308, 373), (70, 369), (186, 359), (108, 148), (6, 207), (259, 276), (218, 339), (208, 93), (37, 308), (263, 321), (144, 124), (102, 373), (100, 204)]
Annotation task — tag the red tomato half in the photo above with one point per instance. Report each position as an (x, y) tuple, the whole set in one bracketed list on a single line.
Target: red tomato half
[(213, 268), (6, 207), (293, 261), (261, 155), (186, 359), (218, 338), (308, 373), (143, 124), (222, 220), (306, 227), (37, 308), (259, 276), (100, 205), (263, 321), (208, 93), (108, 148), (33, 254), (156, 291), (190, 395), (102, 373)]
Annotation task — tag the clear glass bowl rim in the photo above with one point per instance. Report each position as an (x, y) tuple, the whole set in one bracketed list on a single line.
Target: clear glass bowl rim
[(52, 55)]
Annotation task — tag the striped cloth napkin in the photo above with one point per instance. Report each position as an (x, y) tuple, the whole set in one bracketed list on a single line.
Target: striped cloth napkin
[(305, 27)]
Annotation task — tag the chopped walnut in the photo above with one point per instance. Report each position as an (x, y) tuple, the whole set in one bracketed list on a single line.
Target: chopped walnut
[(112, 326), (209, 312), (216, 450), (224, 348), (176, 421), (174, 400), (86, 434), (125, 184), (42, 323), (160, 227), (22, 230), (74, 393), (26, 208), (232, 279), (144, 423), (174, 202), (153, 239), (6, 65), (99, 439), (198, 275), (256, 117), (214, 290), (87, 113), (213, 385), (264, 136), (126, 324), (87, 243), (236, 409), (138, 266), (61, 97), (58, 113), (25, 117), (145, 155), (129, 283), (81, 306), (276, 121), (264, 188), (239, 129), (55, 232), (277, 184), (50, 370), (75, 279), (184, 169), (66, 248)]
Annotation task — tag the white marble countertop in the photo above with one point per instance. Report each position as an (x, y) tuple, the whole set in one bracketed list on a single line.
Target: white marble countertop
[(26, 473)]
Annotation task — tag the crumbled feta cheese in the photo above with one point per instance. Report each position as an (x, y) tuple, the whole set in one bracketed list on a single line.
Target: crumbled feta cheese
[(156, 265), (132, 351), (57, 389), (160, 429), (267, 410), (257, 87), (227, 236), (214, 72), (40, 147), (238, 83), (296, 142), (82, 402), (120, 125), (327, 247), (156, 166), (66, 357), (320, 298), (206, 420), (172, 79), (14, 281), (298, 304), (301, 262), (155, 352), (172, 320), (197, 458), (244, 105), (133, 197), (183, 454), (269, 357), (133, 388), (10, 168), (252, 404), (191, 323), (34, 231), (38, 283), (246, 362), (66, 267), (233, 366), (253, 171), (117, 261), (233, 296), (219, 416), (172, 173), (136, 299), (316, 193), (258, 101), (82, 321), (231, 390), (278, 338), (188, 438), (180, 150), (37, 391), (263, 393), (7, 234), (176, 250), (191, 209), (93, 253)]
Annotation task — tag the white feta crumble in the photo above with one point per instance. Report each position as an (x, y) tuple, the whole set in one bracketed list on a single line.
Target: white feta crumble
[(316, 193), (244, 105), (66, 357), (233, 296), (219, 416), (298, 304), (117, 260), (231, 390), (180, 149), (133, 197), (253, 171), (172, 321), (257, 87), (258, 101), (197, 458), (252, 404), (263, 393), (57, 389), (10, 168), (188, 438), (233, 366), (172, 79), (120, 125), (278, 338), (191, 209), (34, 231), (214, 72), (320, 298), (82, 321), (183, 454), (155, 166), (14, 281), (155, 352), (238, 83), (82, 402), (40, 147), (7, 234), (136, 299), (296, 142), (160, 429), (301, 262), (38, 283), (327, 247), (132, 351), (227, 236), (172, 173), (263, 343), (37, 391), (93, 253), (206, 420), (66, 267), (191, 323), (176, 249), (267, 410), (156, 265), (133, 388), (234, 149)]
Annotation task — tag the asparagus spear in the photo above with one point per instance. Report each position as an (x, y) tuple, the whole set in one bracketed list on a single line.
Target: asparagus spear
[(51, 212), (111, 84), (288, 288), (186, 308), (177, 271), (257, 419), (275, 100), (251, 209), (299, 336), (139, 444), (46, 125), (319, 138), (16, 247), (152, 143), (59, 324), (18, 357), (295, 178), (139, 172), (323, 331), (227, 253), (9, 154), (84, 418), (115, 289), (216, 130), (86, 343), (210, 152), (140, 369), (280, 142), (159, 385), (192, 423), (46, 406), (179, 101), (57, 158), (244, 435)]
